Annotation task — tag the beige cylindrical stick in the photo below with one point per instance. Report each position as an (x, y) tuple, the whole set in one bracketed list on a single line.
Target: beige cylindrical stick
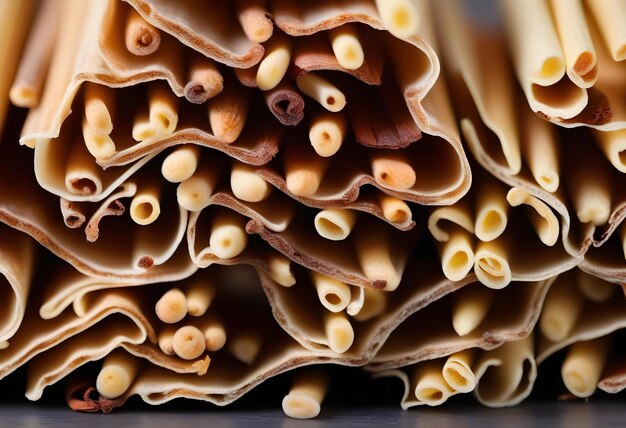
[(188, 342), (145, 207), (99, 144), (327, 133), (205, 80), (491, 212), (346, 46), (254, 19), (118, 372), (583, 366), (307, 393), (470, 307), (247, 185), (172, 306), (274, 65), (392, 170), (374, 304), (141, 38), (400, 17), (142, 128), (36, 55), (199, 293), (610, 16), (457, 255), (100, 107), (214, 335), (491, 265), (430, 386), (194, 194), (613, 144), (163, 114), (339, 332), (457, 371), (181, 163), (394, 209), (304, 175), (335, 224), (375, 258), (593, 288), (166, 337), (245, 346), (228, 237), (322, 91), (228, 113), (540, 148), (280, 270), (561, 309), (334, 295)]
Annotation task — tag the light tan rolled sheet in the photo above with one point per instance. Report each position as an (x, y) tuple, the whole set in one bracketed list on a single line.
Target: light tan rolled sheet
[(17, 266), (513, 314), (506, 375)]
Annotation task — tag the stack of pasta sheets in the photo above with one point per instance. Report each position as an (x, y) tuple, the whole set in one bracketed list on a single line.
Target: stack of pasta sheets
[(197, 196)]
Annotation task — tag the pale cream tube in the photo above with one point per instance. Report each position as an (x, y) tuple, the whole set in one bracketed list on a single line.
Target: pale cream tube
[(194, 194), (145, 207), (140, 37), (188, 342), (594, 289), (583, 366), (118, 372), (400, 17), (491, 264), (457, 371), (491, 212), (245, 346), (394, 209), (346, 46), (333, 294), (613, 144), (375, 257), (275, 63), (82, 175), (562, 307), (610, 16), (335, 224), (457, 255), (339, 332), (254, 19), (247, 185), (306, 394), (470, 307), (374, 304), (304, 176), (327, 133), (181, 163), (205, 80), (166, 337), (99, 144), (100, 107), (280, 270), (228, 237), (163, 115), (322, 91), (430, 386), (392, 170), (172, 306), (199, 293), (214, 335)]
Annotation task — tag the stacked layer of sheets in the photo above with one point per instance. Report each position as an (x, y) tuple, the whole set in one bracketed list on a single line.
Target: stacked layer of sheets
[(197, 196)]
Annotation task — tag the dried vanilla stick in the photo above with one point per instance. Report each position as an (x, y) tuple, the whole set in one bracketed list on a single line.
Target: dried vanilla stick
[(400, 17), (457, 255), (254, 19), (541, 151), (470, 307), (172, 306), (335, 224), (228, 237), (562, 307), (545, 222), (166, 337), (145, 208), (303, 174), (214, 335), (322, 91), (374, 304), (205, 80), (181, 163), (36, 56), (99, 144), (306, 394), (228, 113), (245, 346), (491, 264), (118, 372), (199, 294), (140, 37), (188, 342), (491, 211), (274, 65), (392, 170), (82, 175), (375, 257), (346, 46), (339, 332), (430, 386), (613, 144), (394, 209), (327, 133), (594, 289), (194, 193), (610, 16), (280, 270), (583, 366), (334, 295), (247, 185), (580, 55), (457, 371)]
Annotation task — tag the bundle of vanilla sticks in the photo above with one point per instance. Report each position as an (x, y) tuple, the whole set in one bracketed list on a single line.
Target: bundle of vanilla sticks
[(196, 196)]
